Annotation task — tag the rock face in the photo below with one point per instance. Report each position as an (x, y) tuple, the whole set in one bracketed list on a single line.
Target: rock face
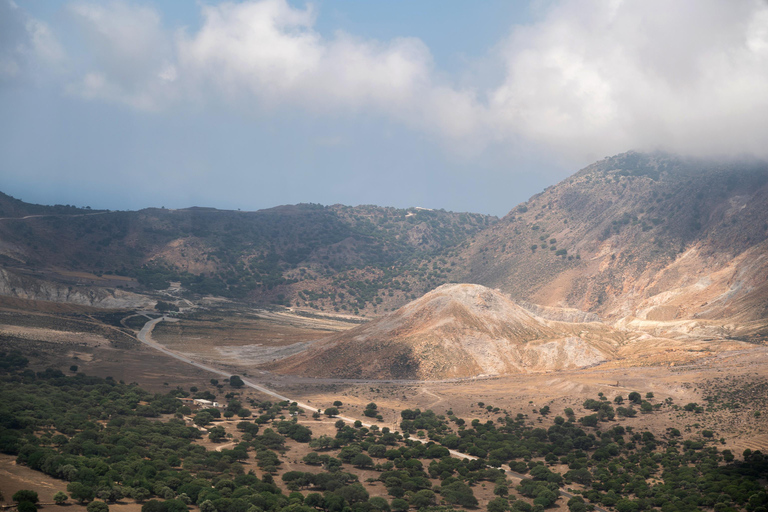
[(24, 287), (649, 241), (455, 331)]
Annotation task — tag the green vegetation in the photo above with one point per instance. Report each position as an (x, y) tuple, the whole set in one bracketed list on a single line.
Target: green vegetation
[(322, 257), (104, 440)]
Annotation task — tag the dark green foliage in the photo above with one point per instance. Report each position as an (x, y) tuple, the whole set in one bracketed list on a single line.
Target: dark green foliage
[(97, 506), (25, 495), (294, 431), (165, 307), (26, 506), (105, 445), (458, 493), (12, 360), (370, 410), (60, 498)]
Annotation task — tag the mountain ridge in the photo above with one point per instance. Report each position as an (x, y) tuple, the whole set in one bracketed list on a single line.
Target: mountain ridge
[(673, 244)]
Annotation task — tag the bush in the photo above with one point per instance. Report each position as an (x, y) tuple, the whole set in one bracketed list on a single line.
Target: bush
[(97, 506), (25, 495), (458, 493), (399, 505)]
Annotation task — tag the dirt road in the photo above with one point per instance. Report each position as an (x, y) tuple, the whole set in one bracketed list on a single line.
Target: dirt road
[(145, 337)]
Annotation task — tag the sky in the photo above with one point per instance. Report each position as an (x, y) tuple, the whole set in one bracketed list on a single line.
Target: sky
[(465, 106)]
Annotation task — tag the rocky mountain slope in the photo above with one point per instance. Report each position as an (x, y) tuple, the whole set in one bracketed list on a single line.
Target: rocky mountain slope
[(456, 331), (674, 246)]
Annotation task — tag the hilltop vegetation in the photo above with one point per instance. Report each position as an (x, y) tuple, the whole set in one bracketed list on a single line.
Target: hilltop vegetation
[(333, 258)]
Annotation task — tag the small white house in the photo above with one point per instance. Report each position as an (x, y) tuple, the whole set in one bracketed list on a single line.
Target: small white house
[(205, 403)]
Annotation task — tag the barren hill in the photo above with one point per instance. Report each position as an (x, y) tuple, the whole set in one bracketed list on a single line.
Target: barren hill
[(669, 245), (457, 330)]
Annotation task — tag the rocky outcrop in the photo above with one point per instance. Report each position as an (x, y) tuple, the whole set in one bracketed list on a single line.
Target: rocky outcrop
[(26, 287)]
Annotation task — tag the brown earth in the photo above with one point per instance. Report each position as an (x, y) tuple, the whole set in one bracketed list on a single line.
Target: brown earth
[(680, 375), (675, 247), (735, 376), (463, 330)]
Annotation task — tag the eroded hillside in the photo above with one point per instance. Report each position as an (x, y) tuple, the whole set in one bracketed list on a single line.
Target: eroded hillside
[(465, 330), (649, 241)]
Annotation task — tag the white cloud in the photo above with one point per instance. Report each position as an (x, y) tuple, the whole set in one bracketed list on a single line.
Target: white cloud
[(265, 53), (590, 78), (596, 78), (268, 50), (130, 54), (26, 45)]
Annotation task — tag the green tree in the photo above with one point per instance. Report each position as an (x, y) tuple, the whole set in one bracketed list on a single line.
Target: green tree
[(68, 472), (203, 418), (331, 412), (378, 503), (236, 382), (354, 493), (153, 506), (217, 434), (206, 506), (422, 499), (140, 494), (80, 492), (576, 504), (458, 493), (25, 495), (399, 505), (498, 505), (97, 506), (362, 461), (60, 498)]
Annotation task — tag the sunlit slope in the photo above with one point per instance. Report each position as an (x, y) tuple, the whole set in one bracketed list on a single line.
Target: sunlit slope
[(455, 331), (658, 242)]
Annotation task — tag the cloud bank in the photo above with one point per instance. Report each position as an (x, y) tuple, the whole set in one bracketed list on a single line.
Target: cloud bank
[(26, 45), (588, 79)]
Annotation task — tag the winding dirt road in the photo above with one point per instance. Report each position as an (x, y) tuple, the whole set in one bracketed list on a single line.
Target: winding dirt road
[(145, 337)]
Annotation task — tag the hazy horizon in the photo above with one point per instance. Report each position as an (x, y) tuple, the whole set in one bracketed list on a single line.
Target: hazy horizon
[(442, 105)]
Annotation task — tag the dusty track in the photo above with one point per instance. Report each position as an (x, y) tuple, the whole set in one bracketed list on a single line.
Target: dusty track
[(145, 337)]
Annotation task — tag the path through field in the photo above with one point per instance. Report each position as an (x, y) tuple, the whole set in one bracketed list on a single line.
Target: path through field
[(145, 337)]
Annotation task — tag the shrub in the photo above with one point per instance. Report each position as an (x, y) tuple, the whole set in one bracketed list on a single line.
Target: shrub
[(97, 506), (25, 495)]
